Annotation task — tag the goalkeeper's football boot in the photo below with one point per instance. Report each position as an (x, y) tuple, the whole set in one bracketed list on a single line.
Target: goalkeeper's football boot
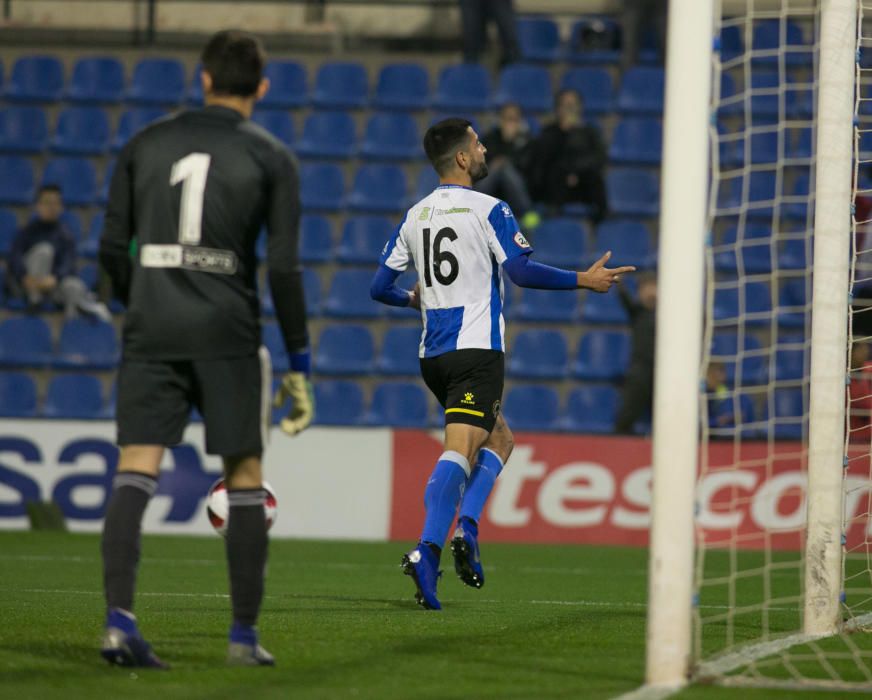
[(244, 650), (422, 564), (123, 645), (464, 547)]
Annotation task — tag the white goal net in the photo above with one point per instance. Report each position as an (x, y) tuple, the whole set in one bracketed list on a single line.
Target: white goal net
[(758, 597)]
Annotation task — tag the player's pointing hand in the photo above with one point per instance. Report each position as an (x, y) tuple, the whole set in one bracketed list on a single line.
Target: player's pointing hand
[(600, 278)]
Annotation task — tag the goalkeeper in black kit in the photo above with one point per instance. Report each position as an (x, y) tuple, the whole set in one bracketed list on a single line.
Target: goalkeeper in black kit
[(189, 196)]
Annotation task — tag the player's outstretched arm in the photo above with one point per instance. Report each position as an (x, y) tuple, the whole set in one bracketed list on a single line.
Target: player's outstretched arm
[(384, 289), (527, 273)]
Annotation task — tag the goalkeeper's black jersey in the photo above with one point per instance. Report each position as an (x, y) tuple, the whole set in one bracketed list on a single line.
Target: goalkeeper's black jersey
[(194, 191)]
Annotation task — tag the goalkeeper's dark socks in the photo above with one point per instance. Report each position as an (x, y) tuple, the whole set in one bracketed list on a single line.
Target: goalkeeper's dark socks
[(131, 492), (246, 545)]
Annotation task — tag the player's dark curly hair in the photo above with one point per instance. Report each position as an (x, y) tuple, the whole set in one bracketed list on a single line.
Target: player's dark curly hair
[(443, 140), (235, 60)]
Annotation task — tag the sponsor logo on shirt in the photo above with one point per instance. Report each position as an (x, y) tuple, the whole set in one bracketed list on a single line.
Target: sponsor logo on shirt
[(425, 214), (521, 241)]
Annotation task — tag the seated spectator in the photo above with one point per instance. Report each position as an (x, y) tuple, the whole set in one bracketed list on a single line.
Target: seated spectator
[(720, 404), (508, 156), (42, 261), (569, 159)]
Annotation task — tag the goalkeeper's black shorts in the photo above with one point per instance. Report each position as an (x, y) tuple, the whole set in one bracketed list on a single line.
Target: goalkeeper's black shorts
[(468, 383), (155, 399)]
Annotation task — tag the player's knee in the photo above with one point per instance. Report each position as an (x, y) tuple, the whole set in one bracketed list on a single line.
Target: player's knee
[(501, 440)]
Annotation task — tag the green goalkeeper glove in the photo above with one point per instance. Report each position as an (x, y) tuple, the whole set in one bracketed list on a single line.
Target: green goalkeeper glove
[(296, 387)]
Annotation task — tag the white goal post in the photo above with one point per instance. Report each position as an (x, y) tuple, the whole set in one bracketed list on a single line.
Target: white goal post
[(690, 139)]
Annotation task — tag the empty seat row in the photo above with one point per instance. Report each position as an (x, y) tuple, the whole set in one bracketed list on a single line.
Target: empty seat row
[(26, 341), (72, 396)]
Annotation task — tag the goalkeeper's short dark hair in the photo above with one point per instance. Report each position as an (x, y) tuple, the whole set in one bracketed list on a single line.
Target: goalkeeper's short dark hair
[(443, 140), (235, 61)]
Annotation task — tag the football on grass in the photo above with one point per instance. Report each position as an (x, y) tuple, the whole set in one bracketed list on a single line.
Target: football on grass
[(217, 506)]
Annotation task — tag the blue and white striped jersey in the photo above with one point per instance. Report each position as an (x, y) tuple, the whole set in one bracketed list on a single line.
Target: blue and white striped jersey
[(458, 239)]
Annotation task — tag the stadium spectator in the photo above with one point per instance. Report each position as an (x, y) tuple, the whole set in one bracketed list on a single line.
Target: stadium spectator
[(638, 389), (569, 159), (636, 17), (474, 18), (720, 406), (508, 147), (42, 261)]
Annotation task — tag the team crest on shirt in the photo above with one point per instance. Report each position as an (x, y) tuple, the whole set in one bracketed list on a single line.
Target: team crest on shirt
[(506, 211), (521, 241)]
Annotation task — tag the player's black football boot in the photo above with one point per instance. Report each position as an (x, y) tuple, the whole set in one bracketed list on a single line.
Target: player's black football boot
[(464, 547)]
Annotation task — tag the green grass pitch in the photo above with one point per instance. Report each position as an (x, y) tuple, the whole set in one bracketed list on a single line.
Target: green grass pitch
[(552, 622)]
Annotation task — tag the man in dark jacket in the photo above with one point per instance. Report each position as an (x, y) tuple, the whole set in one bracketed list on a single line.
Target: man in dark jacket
[(638, 392), (42, 261), (569, 159)]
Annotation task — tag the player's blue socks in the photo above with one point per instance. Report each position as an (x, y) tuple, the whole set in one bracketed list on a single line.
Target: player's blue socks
[(481, 483), (443, 493), (243, 634), (122, 620)]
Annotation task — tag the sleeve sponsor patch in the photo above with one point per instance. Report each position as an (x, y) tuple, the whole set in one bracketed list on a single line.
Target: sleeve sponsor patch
[(521, 241)]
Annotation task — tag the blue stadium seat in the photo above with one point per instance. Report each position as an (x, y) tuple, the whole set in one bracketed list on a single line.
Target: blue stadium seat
[(732, 44), (133, 120), (73, 223), (338, 402), (546, 306), (761, 193), (633, 192), (76, 178), (363, 239), (103, 193), (595, 87), (288, 88), (528, 86), (796, 203), (349, 295), (538, 355), (602, 356), (276, 122), (271, 337), (751, 304), (391, 137), (399, 405), (792, 300), (789, 411), (16, 180), (312, 290), (642, 90), (752, 364), (793, 255), (8, 230), (157, 81), (340, 86), (595, 39), (87, 344), (329, 134), (194, 95), (765, 98), (628, 240), (539, 39), (426, 182), (762, 149), (88, 273), (81, 131), (607, 308), (402, 86), (560, 242), (17, 395), (531, 407), (345, 349), (35, 79), (637, 140), (767, 37), (591, 408), (799, 143), (378, 188), (756, 251), (96, 79), (462, 87), (77, 396), (790, 357), (399, 352), (322, 186), (316, 239), (25, 341), (90, 246), (23, 129)]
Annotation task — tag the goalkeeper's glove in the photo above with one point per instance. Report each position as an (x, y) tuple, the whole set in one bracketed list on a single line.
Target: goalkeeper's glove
[(295, 385)]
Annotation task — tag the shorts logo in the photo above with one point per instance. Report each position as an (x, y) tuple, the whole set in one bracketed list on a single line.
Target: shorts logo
[(521, 241), (496, 408), (468, 399)]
